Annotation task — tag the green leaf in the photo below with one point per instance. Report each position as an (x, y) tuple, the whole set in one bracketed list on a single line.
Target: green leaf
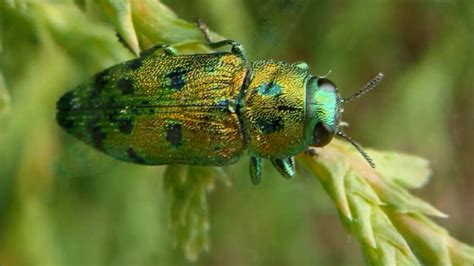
[(4, 97), (120, 14), (406, 170), (155, 23), (188, 187), (390, 223)]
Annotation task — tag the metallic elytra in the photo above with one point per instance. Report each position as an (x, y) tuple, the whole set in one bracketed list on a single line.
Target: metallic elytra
[(203, 109)]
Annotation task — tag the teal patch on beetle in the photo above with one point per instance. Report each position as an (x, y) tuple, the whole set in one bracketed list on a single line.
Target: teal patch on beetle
[(269, 89)]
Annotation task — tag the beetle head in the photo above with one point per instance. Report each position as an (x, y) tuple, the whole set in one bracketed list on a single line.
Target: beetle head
[(324, 108), (323, 111)]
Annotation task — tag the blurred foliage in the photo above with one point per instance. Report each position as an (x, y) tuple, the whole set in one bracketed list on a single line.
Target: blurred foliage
[(188, 187), (62, 203), (374, 206)]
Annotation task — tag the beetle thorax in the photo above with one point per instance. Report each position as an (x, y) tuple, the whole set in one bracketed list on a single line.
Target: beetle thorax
[(274, 109)]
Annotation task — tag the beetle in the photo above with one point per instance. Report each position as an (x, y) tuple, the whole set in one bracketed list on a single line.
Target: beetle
[(206, 109)]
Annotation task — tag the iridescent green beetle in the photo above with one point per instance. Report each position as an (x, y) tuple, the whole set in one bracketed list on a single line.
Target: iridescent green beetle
[(205, 109)]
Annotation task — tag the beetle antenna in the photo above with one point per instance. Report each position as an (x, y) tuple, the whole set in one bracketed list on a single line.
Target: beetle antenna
[(358, 147), (327, 74), (368, 87)]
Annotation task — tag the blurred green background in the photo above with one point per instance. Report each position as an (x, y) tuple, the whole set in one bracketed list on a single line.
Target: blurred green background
[(63, 203)]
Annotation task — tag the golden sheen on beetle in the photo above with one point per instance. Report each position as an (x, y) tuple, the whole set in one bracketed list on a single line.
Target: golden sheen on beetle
[(205, 109)]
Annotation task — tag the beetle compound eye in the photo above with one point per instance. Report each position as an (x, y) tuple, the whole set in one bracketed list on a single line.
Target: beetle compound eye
[(322, 134), (326, 84)]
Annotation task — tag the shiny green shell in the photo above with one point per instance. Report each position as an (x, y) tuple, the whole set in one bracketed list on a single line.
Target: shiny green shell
[(200, 109)]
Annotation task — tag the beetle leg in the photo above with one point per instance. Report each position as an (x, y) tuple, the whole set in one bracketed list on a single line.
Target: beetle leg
[(256, 170), (311, 152), (286, 167), (236, 47), (168, 50)]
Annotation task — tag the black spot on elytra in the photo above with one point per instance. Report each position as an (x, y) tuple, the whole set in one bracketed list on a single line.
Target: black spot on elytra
[(135, 64), (96, 134), (134, 156), (112, 101), (287, 108), (64, 103), (125, 126), (64, 121), (174, 134), (112, 117), (145, 102), (216, 147), (125, 85), (151, 111), (176, 79), (100, 81), (268, 126)]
